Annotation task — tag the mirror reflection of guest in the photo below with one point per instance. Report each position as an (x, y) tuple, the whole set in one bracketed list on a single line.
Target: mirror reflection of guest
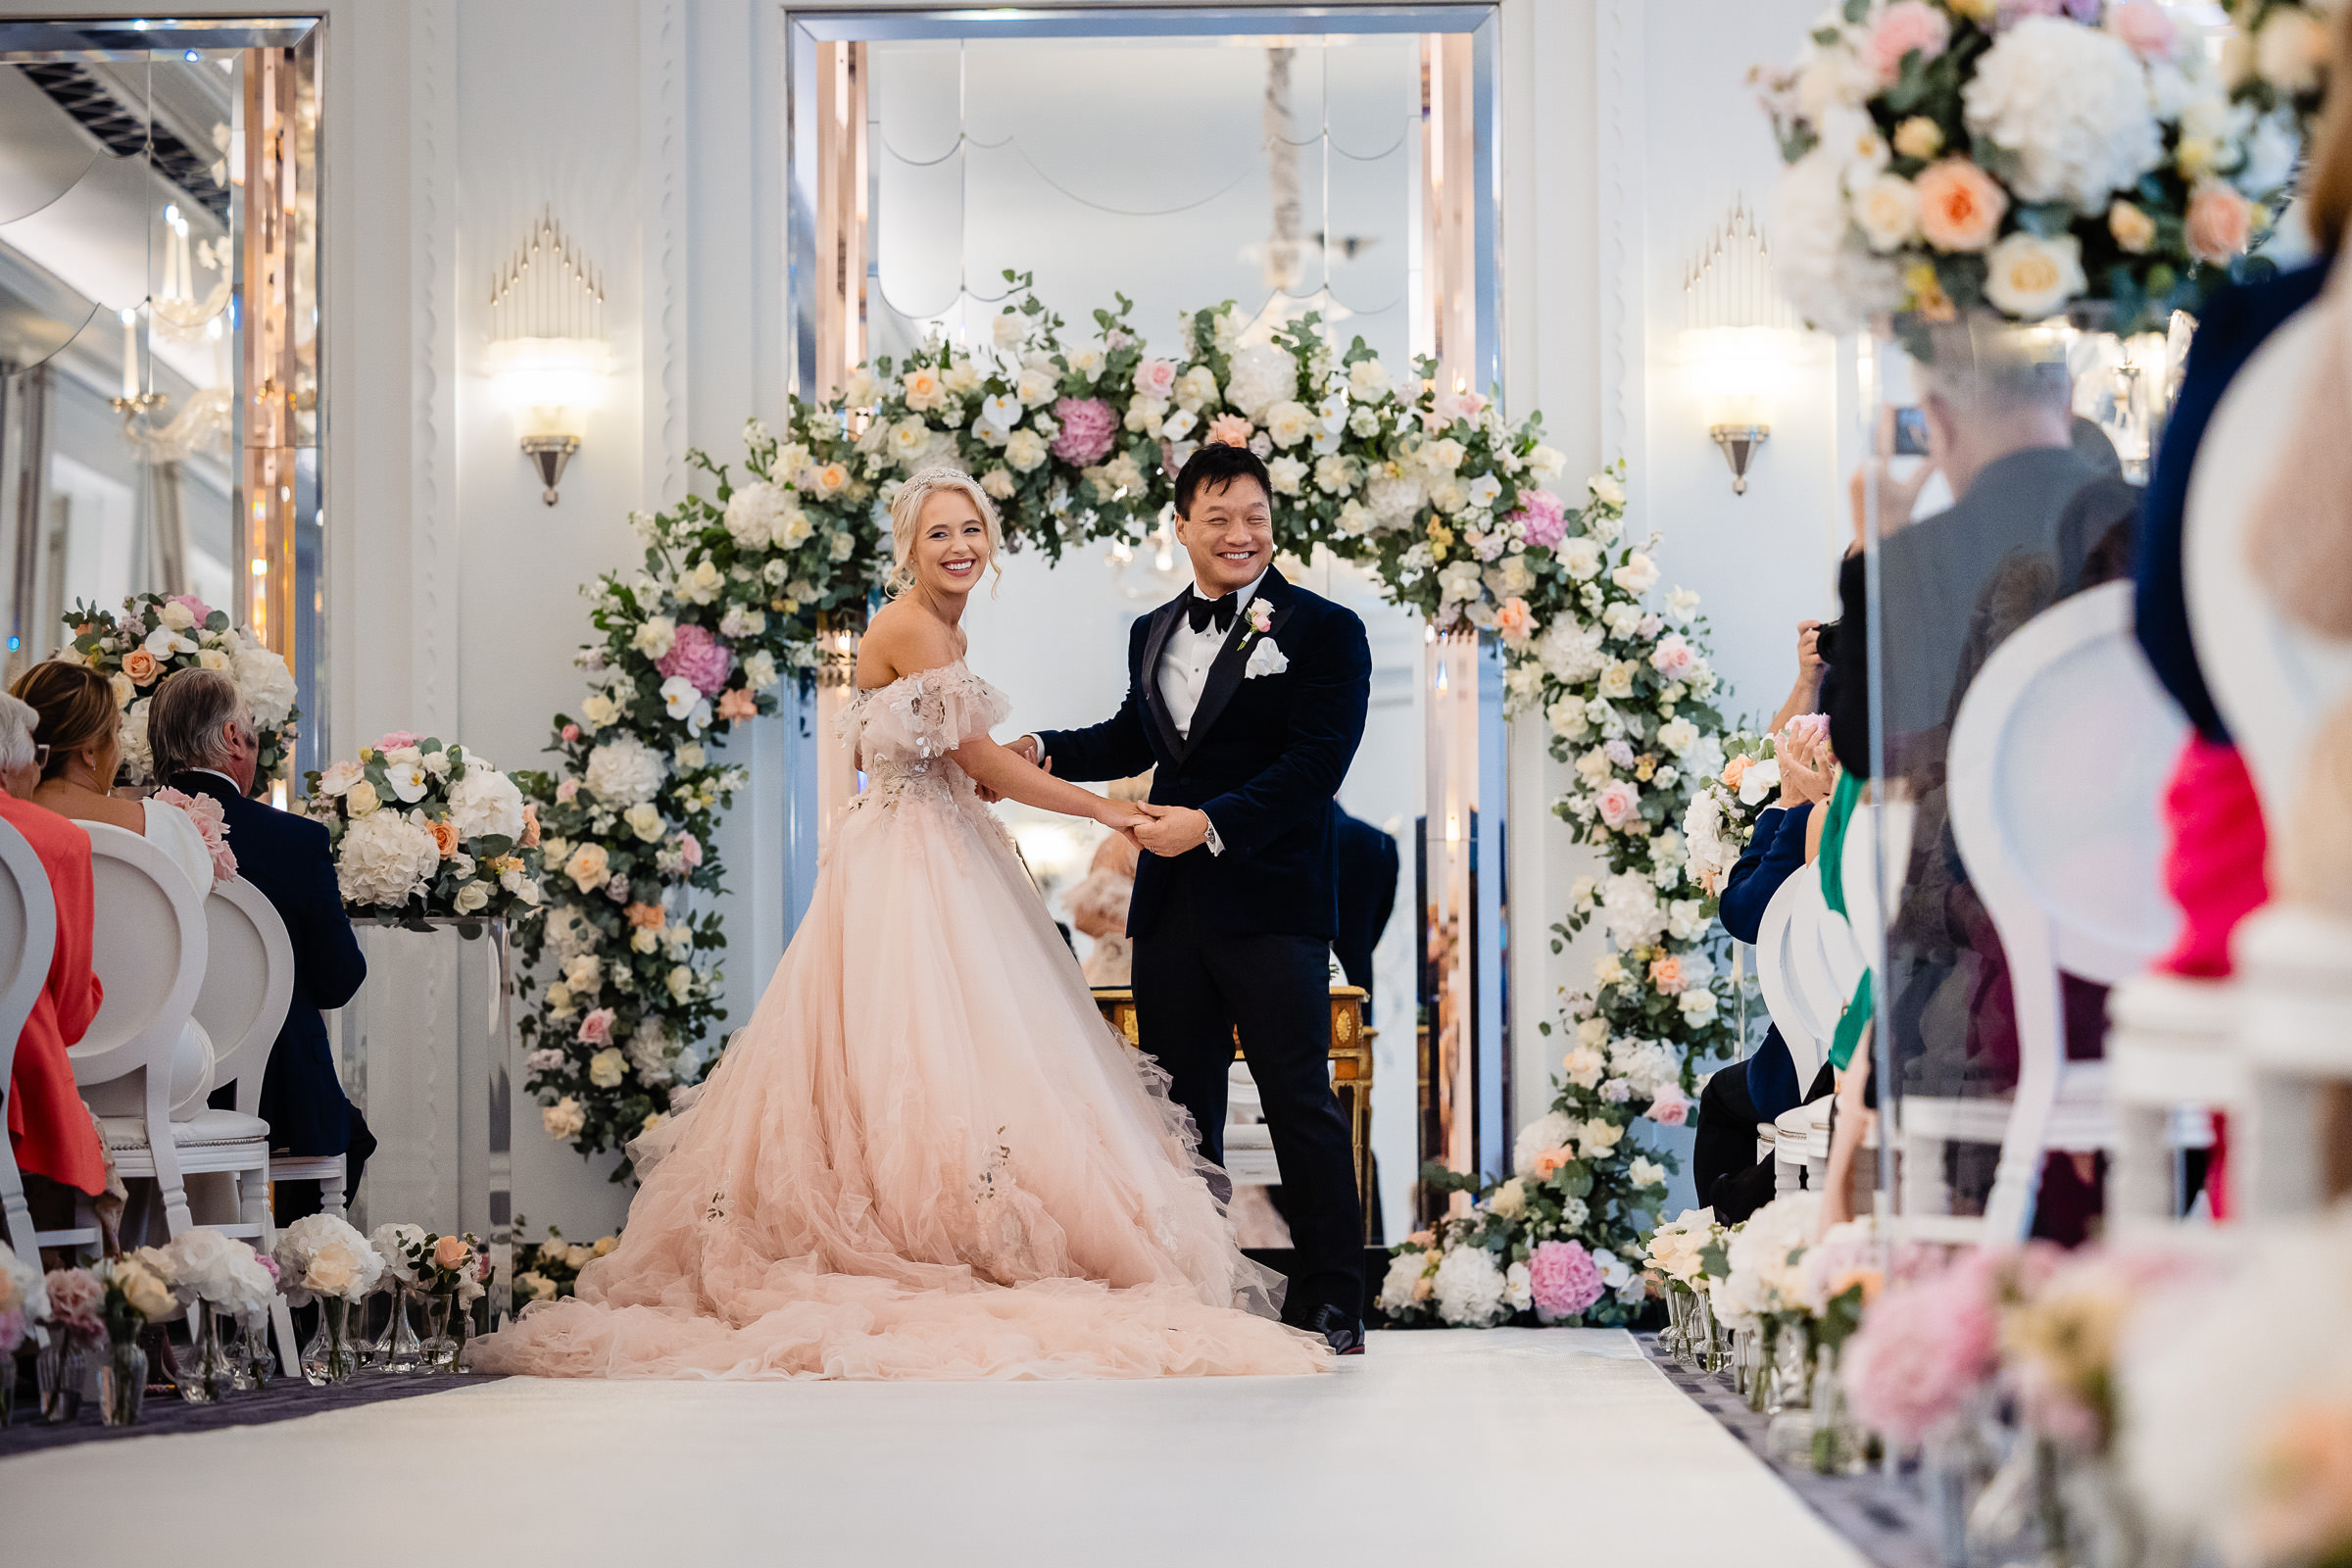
[(1364, 870)]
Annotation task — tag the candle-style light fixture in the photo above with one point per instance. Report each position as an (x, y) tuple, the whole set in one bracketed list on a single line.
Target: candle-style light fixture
[(548, 354), (1739, 337)]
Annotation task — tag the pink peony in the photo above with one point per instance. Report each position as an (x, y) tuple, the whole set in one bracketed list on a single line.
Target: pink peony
[(1904, 26), (211, 822), (690, 850), (1670, 1109), (1228, 430), (1542, 519), (2144, 30), (394, 740), (1088, 427), (1564, 1278), (193, 605), (597, 1028), (1156, 378), (1619, 803), (1924, 1349), (76, 1299), (703, 659)]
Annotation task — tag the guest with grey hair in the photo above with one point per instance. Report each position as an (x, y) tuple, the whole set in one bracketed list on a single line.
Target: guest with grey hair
[(204, 742), (50, 1131)]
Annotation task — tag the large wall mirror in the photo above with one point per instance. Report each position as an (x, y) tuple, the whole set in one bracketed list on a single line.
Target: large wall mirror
[(1338, 163), (159, 411)]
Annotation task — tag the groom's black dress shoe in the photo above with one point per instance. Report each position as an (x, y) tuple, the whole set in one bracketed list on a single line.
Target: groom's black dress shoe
[(1344, 1330)]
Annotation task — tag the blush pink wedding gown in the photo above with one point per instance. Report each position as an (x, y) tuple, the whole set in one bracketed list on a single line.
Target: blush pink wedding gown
[(927, 1155)]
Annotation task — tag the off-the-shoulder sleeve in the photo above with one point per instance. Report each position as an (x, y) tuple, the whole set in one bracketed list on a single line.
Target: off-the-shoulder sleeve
[(927, 714)]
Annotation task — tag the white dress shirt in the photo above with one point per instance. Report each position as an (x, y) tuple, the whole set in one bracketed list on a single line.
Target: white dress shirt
[(1185, 659)]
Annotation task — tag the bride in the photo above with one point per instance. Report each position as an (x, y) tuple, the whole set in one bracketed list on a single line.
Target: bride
[(926, 1155)]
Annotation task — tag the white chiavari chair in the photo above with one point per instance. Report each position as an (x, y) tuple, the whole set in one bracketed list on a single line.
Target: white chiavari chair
[(28, 944)]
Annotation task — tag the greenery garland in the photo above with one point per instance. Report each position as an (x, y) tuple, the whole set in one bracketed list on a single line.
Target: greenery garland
[(1429, 488)]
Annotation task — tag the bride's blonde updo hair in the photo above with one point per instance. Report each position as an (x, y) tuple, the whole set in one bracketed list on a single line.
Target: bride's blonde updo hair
[(905, 516)]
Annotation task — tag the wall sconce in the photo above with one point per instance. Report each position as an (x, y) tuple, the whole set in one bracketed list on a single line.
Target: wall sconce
[(1740, 339), (547, 354)]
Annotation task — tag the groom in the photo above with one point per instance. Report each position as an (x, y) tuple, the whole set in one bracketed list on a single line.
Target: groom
[(1245, 696)]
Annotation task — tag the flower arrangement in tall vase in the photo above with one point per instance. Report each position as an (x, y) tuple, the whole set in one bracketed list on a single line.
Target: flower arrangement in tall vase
[(158, 634)]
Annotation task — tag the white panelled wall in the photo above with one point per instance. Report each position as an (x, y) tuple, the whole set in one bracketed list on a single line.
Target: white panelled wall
[(652, 131)]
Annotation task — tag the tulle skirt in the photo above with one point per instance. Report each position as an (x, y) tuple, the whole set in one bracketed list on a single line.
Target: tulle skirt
[(926, 1156)]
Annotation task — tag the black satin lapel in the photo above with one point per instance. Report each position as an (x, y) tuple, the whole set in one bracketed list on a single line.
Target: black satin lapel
[(1155, 646), (1225, 675)]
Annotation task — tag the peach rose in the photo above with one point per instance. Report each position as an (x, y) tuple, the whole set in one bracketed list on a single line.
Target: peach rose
[(141, 665), (2221, 221), (1734, 771), (1552, 1159), (1960, 206), (2134, 229), (1514, 622), (531, 827), (1227, 429), (644, 916), (1666, 974), (445, 836), (450, 1251), (736, 705)]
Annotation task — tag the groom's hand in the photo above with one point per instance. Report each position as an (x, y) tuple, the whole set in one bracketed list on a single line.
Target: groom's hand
[(1174, 830)]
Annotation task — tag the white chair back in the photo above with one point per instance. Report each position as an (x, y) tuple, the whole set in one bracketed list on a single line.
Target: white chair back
[(1872, 865), (2056, 774), (150, 952), (2272, 679), (248, 985), (1785, 996), (1809, 954), (28, 942)]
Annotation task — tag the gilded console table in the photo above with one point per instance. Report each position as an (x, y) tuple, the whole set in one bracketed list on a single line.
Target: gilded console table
[(1350, 1068)]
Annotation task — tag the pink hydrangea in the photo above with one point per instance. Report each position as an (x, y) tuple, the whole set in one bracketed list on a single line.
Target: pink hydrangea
[(394, 740), (1923, 1349), (1562, 1279), (1087, 429), (699, 656), (1542, 519), (1904, 27)]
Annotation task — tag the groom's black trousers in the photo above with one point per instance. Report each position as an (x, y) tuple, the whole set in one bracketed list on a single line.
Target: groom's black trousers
[(1194, 984)]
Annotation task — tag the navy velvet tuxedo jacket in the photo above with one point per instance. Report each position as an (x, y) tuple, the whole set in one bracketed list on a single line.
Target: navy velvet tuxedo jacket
[(286, 857), (1264, 759)]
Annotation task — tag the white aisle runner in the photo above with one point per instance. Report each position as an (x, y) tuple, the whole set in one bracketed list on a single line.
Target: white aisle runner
[(1541, 1446)]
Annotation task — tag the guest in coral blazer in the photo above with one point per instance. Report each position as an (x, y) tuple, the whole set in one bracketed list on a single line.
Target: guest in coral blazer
[(48, 1127)]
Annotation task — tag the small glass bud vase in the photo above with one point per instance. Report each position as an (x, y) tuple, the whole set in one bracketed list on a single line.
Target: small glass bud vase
[(1758, 1344), (1711, 1352), (122, 1382), (1675, 1344), (260, 1364), (396, 1348), (1791, 1364), (204, 1374), (439, 1349), (61, 1372), (330, 1357), (1840, 1447), (11, 1368)]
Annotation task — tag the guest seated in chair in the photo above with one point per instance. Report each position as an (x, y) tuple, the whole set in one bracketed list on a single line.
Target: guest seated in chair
[(204, 743), (51, 1132)]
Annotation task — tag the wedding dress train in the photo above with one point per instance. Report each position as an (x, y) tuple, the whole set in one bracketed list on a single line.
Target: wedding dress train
[(926, 1155)]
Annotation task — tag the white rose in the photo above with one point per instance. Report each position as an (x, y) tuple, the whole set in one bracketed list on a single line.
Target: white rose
[(1368, 380), (607, 1067), (1289, 423), (654, 636), (1638, 575), (1288, 474), (564, 1119), (1025, 450), (2030, 278), (645, 820), (471, 897), (680, 983), (174, 614), (1580, 557), (760, 671), (1887, 211)]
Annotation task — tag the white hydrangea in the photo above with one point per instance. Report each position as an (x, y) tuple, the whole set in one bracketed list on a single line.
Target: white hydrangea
[(485, 801), (1571, 653), (1648, 1066), (758, 514), (383, 858), (650, 1053), (391, 1242), (1469, 1289), (266, 682), (1404, 1280), (1395, 499), (1263, 375), (1547, 1131), (2072, 104), (624, 771), (1629, 906), (1767, 1260), (1832, 284)]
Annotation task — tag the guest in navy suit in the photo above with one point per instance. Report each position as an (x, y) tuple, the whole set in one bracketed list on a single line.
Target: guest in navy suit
[(204, 744), (1364, 871), (1246, 698)]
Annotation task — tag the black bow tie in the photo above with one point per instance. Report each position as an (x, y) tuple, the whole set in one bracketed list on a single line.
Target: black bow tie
[(1204, 610)]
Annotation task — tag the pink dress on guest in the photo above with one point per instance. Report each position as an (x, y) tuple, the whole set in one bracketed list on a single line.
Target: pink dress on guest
[(927, 1155), (2214, 872)]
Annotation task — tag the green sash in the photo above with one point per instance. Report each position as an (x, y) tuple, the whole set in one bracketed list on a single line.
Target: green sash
[(1860, 1006)]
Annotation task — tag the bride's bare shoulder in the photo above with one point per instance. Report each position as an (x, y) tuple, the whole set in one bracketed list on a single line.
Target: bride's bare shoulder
[(904, 639)]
